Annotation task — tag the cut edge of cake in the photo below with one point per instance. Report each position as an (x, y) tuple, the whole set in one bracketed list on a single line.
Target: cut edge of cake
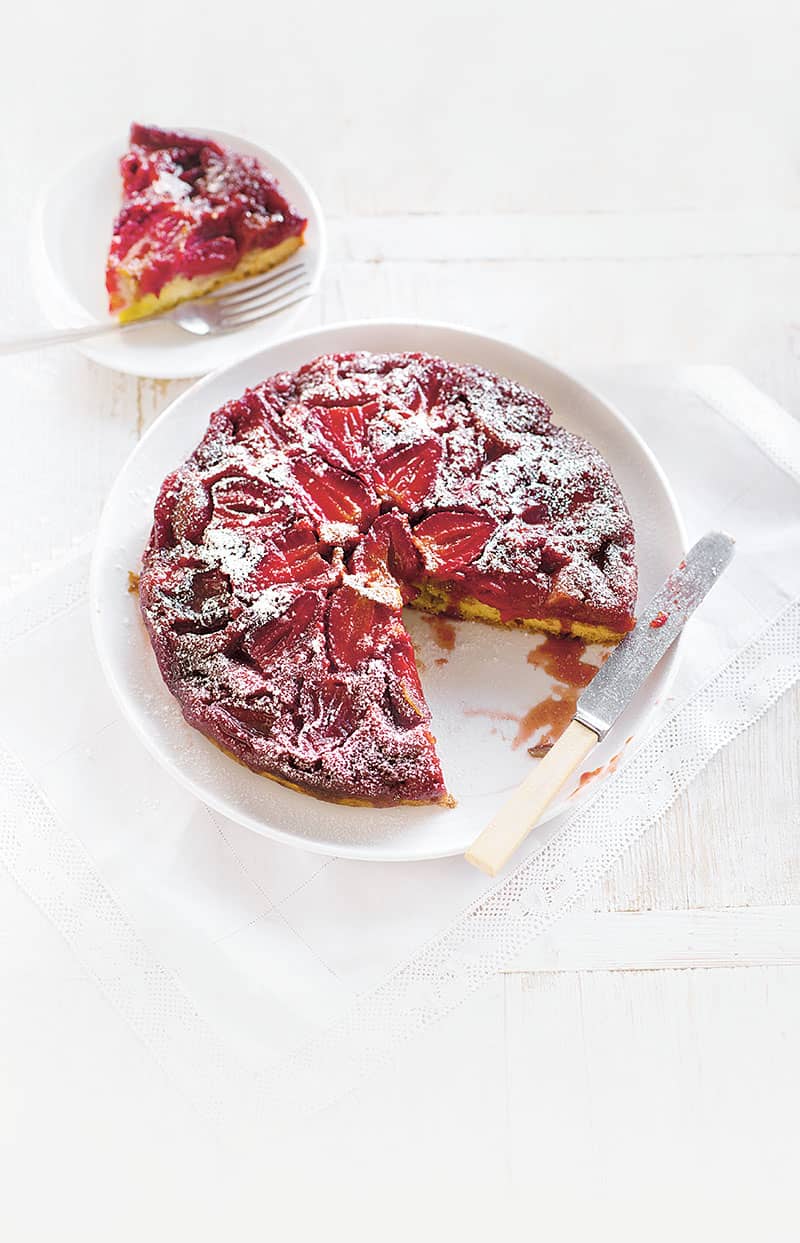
[(433, 597), (185, 289)]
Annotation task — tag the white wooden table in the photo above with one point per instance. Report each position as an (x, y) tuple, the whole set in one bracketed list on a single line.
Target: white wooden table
[(598, 187)]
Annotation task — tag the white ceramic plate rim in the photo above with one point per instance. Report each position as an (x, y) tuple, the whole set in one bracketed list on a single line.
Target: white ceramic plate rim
[(382, 852), (64, 308)]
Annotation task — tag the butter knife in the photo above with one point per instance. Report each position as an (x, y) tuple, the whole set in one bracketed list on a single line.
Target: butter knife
[(605, 698)]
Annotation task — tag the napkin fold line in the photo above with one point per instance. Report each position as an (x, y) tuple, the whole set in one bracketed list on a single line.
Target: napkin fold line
[(774, 430)]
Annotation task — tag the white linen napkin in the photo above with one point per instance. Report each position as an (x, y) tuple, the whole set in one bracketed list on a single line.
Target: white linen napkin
[(268, 980)]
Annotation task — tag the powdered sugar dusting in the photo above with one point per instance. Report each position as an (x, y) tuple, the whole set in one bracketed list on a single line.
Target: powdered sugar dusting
[(270, 604), (275, 614), (236, 553)]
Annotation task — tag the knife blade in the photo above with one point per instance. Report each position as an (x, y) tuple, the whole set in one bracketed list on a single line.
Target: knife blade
[(606, 696), (633, 660)]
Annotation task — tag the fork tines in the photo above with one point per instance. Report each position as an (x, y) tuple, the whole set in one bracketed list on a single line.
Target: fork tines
[(262, 295)]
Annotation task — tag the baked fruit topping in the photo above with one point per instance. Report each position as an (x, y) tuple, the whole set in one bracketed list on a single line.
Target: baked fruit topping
[(194, 215), (322, 501)]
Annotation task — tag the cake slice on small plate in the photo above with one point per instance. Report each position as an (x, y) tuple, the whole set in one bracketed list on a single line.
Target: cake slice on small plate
[(194, 216)]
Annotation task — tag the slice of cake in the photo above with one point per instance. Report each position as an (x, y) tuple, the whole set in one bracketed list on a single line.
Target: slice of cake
[(194, 215)]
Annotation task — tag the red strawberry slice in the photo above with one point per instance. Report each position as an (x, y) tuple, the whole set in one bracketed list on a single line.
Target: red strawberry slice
[(243, 499), (291, 557), (336, 496), (405, 693), (370, 562), (298, 550), (356, 625), (327, 709), (408, 473), (344, 429), (272, 641), (371, 558), (450, 541), (256, 417), (387, 553), (405, 562)]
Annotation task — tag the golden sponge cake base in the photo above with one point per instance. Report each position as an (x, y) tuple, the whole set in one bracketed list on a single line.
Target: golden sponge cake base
[(183, 288), (434, 598)]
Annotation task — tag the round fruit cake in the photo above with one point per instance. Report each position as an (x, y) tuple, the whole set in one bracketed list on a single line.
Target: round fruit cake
[(322, 501)]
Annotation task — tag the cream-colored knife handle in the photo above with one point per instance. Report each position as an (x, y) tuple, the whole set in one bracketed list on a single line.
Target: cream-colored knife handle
[(515, 819)]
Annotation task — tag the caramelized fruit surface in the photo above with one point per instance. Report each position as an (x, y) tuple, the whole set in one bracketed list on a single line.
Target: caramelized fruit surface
[(191, 209), (318, 504)]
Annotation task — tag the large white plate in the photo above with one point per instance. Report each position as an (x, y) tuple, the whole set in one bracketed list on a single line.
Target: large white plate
[(70, 239), (486, 676)]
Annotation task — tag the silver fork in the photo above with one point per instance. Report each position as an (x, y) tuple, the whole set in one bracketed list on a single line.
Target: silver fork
[(232, 307)]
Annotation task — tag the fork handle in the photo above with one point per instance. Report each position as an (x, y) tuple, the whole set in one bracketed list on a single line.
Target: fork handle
[(61, 336)]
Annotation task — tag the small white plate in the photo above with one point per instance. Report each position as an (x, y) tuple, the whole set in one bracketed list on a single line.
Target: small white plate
[(487, 675), (71, 234)]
